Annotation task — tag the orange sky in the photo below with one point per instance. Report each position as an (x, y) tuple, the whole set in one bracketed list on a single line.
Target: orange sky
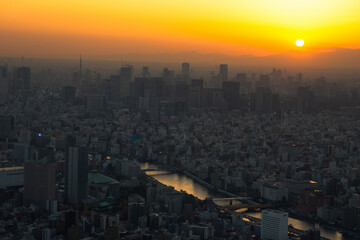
[(233, 27)]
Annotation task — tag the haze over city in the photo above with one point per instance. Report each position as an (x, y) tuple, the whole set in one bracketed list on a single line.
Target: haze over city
[(180, 120)]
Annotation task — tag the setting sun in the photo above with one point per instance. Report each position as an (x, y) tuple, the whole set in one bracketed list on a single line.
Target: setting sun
[(299, 42)]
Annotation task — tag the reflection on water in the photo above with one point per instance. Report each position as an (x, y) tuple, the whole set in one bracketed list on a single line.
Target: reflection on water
[(180, 182), (184, 183)]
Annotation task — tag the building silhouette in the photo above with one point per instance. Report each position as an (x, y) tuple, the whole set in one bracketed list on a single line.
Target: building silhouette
[(22, 78), (231, 94), (76, 174), (39, 183), (223, 73), (185, 72), (145, 72), (305, 100)]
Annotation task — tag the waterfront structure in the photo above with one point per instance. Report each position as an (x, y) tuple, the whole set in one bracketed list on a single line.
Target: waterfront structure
[(274, 225)]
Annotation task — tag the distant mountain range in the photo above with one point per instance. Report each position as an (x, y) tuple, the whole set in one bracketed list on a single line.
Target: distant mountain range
[(329, 58)]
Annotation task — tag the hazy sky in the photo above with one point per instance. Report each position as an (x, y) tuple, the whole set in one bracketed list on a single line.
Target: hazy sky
[(233, 27)]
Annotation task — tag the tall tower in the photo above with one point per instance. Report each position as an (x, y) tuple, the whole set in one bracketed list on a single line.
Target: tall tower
[(22, 78), (223, 73), (185, 72), (80, 71), (76, 174)]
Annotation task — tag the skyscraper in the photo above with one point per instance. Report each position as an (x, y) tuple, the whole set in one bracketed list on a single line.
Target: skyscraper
[(185, 72), (3, 72), (263, 100), (223, 73), (305, 100), (4, 84), (76, 174), (145, 72), (231, 94), (22, 78), (274, 225), (125, 78), (39, 183)]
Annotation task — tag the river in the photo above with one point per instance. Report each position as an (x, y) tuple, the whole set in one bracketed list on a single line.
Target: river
[(184, 183)]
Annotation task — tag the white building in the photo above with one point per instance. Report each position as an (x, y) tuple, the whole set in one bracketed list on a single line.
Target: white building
[(274, 225), (275, 192), (11, 177)]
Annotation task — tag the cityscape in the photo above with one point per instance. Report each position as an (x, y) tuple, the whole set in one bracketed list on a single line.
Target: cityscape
[(149, 120)]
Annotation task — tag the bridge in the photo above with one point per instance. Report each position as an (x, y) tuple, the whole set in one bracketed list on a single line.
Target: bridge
[(247, 205), (231, 198)]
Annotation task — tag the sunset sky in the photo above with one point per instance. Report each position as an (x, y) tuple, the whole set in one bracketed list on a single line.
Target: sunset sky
[(233, 27)]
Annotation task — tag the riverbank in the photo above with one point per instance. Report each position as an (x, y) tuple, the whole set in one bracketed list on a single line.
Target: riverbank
[(181, 182)]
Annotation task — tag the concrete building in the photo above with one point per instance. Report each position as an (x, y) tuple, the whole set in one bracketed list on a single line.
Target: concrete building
[(185, 72), (223, 73), (11, 177), (275, 192), (39, 183), (76, 175), (274, 225)]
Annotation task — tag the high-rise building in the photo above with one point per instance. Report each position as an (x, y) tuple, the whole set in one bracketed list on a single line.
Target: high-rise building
[(39, 183), (264, 81), (126, 77), (168, 76), (145, 72), (4, 82), (22, 78), (76, 174), (274, 225), (3, 71), (46, 234), (241, 77), (263, 100), (231, 94), (305, 100), (185, 72), (223, 73)]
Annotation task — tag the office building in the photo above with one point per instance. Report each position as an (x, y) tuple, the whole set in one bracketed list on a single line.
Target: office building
[(145, 72), (223, 73), (4, 82), (21, 152), (22, 78), (168, 76), (126, 77), (39, 183), (305, 100), (231, 94), (46, 234), (11, 177), (274, 225), (185, 72), (264, 81), (76, 174), (263, 100)]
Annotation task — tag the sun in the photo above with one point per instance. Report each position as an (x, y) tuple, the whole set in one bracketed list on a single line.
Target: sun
[(299, 42)]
